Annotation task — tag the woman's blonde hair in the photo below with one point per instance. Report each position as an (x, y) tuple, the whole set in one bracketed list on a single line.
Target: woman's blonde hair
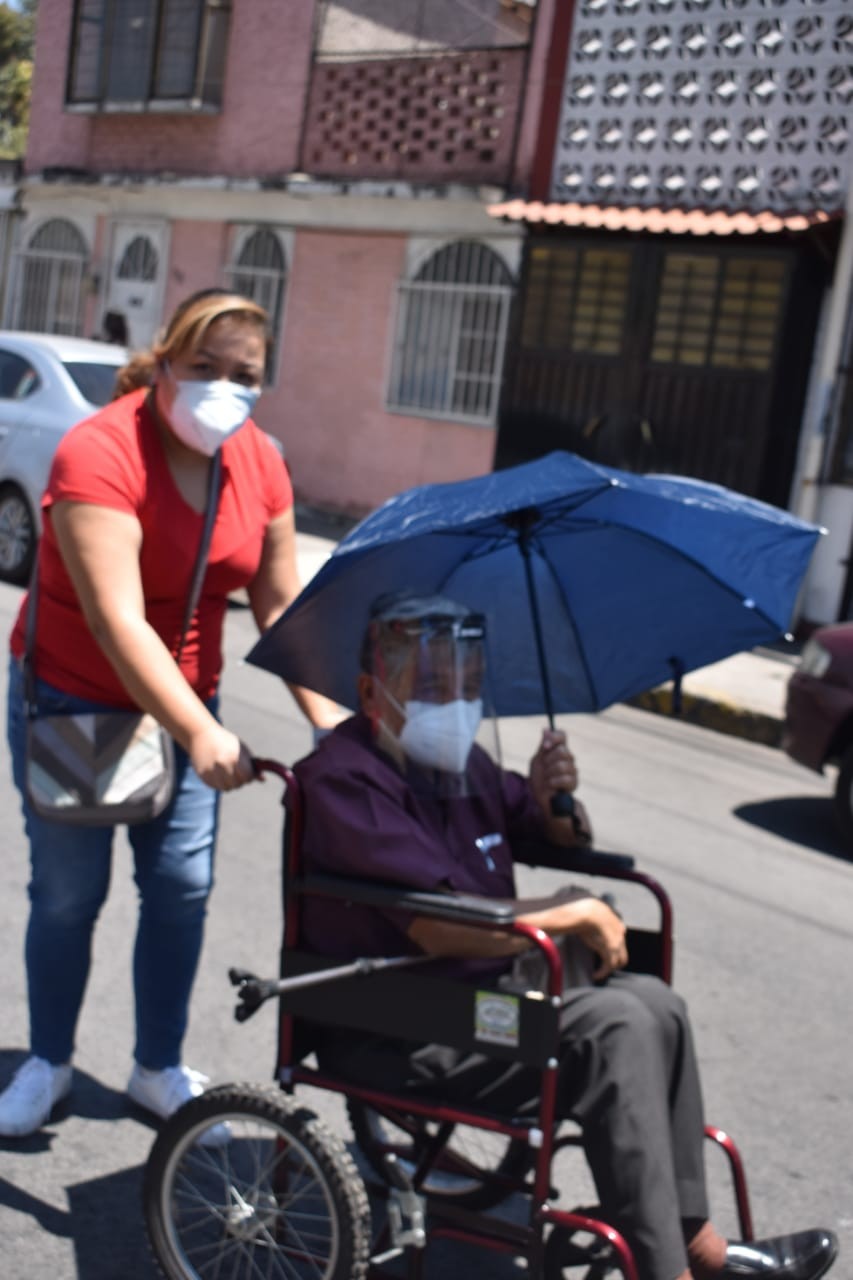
[(186, 329)]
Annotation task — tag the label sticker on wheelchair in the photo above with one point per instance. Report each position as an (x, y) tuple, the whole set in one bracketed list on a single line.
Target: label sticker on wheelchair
[(497, 1018)]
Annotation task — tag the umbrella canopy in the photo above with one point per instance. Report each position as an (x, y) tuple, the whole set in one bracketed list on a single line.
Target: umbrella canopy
[(635, 578)]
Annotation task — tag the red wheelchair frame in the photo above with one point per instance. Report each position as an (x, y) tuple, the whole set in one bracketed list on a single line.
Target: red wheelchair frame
[(313, 990)]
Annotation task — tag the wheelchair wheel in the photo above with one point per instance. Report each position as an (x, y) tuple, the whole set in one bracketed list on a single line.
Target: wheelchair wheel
[(241, 1181), (578, 1254), (476, 1168)]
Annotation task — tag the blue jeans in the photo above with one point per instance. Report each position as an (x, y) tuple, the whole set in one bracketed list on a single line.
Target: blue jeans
[(173, 870)]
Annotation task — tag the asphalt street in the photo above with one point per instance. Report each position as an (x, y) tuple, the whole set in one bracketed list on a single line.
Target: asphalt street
[(763, 898)]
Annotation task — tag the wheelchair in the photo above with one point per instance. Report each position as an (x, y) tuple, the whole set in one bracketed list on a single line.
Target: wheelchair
[(245, 1181)]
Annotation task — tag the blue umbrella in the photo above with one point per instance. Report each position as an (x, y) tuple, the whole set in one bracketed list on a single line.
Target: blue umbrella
[(596, 584)]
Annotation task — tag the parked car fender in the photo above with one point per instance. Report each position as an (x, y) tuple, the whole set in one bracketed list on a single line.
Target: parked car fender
[(819, 714), (48, 382), (818, 721)]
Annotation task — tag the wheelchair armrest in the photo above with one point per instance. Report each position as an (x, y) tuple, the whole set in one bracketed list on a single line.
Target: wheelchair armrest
[(460, 907), (586, 861)]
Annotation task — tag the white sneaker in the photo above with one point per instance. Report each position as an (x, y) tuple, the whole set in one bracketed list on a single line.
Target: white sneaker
[(27, 1102), (164, 1091)]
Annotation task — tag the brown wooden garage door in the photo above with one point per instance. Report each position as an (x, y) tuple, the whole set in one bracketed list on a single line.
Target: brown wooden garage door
[(667, 357)]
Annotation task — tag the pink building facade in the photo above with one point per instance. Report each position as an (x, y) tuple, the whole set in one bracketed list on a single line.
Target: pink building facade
[(333, 160)]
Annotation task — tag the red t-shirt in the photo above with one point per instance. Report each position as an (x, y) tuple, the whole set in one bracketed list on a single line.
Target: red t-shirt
[(115, 459)]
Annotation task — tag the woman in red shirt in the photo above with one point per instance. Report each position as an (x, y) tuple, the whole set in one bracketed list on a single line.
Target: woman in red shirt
[(123, 516)]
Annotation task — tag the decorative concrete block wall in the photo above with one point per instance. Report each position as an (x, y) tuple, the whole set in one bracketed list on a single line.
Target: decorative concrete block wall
[(451, 117), (737, 104)]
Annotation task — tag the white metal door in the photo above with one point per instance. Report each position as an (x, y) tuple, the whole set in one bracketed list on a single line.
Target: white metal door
[(137, 271)]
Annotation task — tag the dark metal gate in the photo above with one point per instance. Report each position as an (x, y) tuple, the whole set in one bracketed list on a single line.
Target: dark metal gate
[(657, 355)]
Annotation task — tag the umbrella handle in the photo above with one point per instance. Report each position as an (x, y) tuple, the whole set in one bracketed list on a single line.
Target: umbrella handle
[(563, 806)]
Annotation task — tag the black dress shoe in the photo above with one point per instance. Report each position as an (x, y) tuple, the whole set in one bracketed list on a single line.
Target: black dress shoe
[(805, 1255)]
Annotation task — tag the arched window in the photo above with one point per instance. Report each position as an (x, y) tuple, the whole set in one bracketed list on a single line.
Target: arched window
[(450, 335), (259, 272), (139, 260), (50, 279)]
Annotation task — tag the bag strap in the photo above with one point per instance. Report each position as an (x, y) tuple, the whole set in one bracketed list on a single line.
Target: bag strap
[(214, 489)]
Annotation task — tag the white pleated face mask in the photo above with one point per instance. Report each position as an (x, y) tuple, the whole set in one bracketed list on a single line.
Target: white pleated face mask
[(440, 735), (204, 414)]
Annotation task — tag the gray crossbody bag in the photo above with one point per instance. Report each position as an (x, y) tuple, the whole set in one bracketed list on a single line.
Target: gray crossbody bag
[(100, 768)]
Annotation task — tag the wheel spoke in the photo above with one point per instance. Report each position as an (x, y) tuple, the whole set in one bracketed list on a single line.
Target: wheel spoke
[(281, 1200)]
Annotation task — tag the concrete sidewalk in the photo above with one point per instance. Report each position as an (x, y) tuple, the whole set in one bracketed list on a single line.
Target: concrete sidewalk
[(743, 695)]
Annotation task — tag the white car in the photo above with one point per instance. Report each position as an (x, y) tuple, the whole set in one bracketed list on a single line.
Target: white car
[(47, 383)]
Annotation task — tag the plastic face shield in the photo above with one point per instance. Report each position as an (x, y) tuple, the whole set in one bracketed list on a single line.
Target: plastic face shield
[(433, 670), (436, 659)]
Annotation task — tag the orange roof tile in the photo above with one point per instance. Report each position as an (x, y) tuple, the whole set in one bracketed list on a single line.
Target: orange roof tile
[(697, 222)]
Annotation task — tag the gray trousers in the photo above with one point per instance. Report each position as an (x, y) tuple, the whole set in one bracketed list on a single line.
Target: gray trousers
[(628, 1076)]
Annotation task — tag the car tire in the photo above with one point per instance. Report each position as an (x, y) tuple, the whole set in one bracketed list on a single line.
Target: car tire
[(18, 536), (844, 798)]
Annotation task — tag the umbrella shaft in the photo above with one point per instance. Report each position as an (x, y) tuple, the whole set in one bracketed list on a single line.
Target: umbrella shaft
[(537, 629), (563, 803)]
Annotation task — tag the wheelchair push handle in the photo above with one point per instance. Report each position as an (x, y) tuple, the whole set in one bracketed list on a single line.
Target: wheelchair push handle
[(263, 765)]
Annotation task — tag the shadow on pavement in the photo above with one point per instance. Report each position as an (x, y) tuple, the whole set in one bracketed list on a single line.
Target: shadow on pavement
[(55, 1221), (106, 1223), (806, 820), (104, 1215)]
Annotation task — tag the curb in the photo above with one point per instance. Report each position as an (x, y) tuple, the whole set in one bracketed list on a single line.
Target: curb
[(714, 713)]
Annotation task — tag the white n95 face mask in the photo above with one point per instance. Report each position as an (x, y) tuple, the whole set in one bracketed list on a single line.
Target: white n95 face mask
[(204, 414), (440, 735)]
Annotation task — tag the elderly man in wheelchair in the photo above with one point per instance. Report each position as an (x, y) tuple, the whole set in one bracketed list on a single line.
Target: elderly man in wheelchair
[(401, 801), (400, 794)]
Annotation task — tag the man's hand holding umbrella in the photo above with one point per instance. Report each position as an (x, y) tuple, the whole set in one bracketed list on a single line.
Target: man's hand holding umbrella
[(553, 771)]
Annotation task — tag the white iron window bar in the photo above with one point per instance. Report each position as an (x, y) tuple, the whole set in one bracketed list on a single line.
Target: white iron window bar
[(50, 271), (259, 272), (451, 335)]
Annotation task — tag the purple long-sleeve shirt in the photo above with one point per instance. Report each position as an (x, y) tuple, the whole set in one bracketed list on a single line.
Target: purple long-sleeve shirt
[(365, 819)]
